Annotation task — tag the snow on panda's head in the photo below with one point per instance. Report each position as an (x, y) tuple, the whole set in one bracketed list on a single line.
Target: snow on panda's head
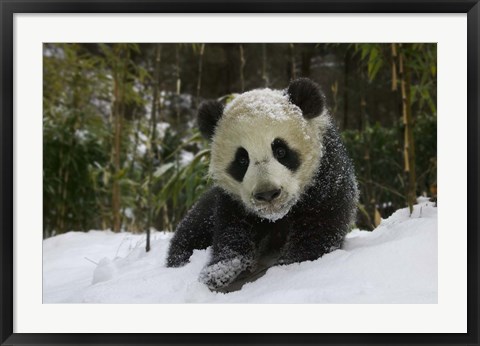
[(266, 145)]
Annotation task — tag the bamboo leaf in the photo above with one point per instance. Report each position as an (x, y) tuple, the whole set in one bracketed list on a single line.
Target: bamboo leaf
[(163, 169)]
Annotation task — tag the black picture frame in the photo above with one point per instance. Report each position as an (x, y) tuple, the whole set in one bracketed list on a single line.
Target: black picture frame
[(10, 7)]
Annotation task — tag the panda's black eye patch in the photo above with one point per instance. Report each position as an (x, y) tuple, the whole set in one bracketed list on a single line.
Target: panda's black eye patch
[(285, 155), (238, 167)]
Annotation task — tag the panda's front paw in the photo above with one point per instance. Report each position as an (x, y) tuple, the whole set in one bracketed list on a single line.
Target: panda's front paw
[(221, 274)]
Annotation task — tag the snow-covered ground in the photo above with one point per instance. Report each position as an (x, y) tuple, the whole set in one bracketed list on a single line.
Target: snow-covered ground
[(396, 263)]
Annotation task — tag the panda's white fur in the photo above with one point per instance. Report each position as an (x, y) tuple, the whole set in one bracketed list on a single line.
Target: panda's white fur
[(253, 120)]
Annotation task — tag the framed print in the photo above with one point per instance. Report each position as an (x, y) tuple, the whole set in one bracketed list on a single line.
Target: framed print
[(272, 172)]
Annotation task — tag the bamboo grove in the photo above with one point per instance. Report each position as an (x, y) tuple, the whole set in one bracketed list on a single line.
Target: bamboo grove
[(121, 150)]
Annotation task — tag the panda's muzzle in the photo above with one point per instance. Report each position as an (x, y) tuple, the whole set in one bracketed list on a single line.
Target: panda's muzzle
[(267, 196)]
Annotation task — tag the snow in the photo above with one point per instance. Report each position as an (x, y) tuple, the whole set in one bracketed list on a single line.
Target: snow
[(81, 135), (162, 128), (273, 104), (396, 263), (186, 157)]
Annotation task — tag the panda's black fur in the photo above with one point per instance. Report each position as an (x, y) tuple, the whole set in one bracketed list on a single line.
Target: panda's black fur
[(315, 225)]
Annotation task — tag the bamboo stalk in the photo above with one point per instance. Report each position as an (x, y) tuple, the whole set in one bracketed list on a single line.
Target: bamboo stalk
[(178, 85), (293, 74), (409, 144), (120, 75), (242, 67), (116, 162), (264, 66), (394, 67), (153, 132), (200, 64)]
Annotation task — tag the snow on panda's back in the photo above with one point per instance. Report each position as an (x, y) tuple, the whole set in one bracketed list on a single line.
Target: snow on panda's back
[(264, 146)]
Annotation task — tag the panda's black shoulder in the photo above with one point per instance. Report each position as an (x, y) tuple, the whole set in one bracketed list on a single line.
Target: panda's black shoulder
[(335, 160), (227, 205), (333, 187), (211, 197)]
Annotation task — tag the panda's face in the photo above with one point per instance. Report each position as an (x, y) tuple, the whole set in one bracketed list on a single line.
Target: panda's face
[(265, 152)]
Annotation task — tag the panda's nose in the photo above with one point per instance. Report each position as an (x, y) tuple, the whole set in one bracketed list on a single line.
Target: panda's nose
[(267, 196)]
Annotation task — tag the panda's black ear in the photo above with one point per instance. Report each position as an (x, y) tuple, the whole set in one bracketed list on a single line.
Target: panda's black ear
[(308, 96), (209, 113)]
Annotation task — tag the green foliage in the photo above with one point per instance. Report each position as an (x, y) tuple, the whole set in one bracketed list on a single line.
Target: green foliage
[(372, 53), (425, 134), (413, 69), (74, 137), (85, 85), (77, 136), (69, 197), (176, 184), (422, 60), (181, 186), (377, 155)]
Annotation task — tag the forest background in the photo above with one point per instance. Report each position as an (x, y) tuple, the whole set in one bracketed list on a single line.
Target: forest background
[(121, 149)]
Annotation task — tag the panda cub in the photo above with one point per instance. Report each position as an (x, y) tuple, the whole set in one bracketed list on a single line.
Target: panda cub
[(284, 186)]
